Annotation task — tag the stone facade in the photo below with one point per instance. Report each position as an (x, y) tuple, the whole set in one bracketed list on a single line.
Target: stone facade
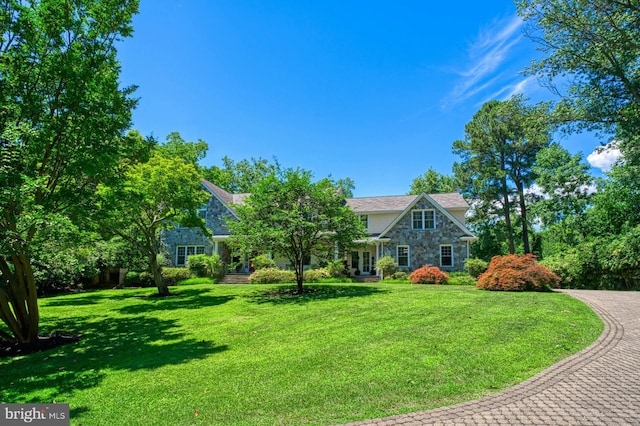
[(217, 213), (424, 245)]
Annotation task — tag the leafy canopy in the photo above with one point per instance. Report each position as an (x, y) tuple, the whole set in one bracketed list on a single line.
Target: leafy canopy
[(290, 215)]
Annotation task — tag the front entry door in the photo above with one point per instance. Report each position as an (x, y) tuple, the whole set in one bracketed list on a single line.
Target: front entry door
[(366, 262)]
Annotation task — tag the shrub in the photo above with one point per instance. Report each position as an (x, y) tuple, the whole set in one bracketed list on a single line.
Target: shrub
[(461, 278), (138, 279), (262, 262), (399, 276), (201, 265), (272, 276), (476, 267), (387, 265), (315, 275), (336, 269), (428, 274), (172, 276), (517, 273)]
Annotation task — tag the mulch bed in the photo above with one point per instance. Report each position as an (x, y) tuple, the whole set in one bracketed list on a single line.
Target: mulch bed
[(9, 349)]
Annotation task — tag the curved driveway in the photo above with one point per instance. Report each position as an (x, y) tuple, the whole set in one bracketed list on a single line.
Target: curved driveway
[(598, 386)]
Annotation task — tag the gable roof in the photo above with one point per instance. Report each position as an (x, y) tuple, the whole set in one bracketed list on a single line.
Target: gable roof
[(437, 205), (399, 203), (225, 197), (390, 203)]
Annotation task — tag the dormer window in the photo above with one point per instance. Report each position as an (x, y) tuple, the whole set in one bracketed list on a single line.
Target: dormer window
[(424, 219)]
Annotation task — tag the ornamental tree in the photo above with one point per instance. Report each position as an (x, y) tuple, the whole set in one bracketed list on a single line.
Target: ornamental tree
[(153, 196), (63, 116), (290, 215)]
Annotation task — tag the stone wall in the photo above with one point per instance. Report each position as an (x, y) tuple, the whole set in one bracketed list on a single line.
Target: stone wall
[(424, 245), (215, 221)]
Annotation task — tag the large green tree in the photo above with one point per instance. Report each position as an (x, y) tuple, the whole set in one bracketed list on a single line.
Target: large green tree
[(153, 196), (240, 177), (63, 115), (290, 215), (563, 185), (497, 155), (432, 182), (592, 47)]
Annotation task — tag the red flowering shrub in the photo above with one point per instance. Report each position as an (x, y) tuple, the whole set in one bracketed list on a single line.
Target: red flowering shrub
[(428, 275), (517, 273)]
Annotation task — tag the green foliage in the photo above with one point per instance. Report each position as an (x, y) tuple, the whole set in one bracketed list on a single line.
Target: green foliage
[(240, 177), (272, 276), (138, 279), (475, 267), (152, 196), (428, 274), (263, 261), (62, 123), (202, 265), (172, 276), (564, 183), (398, 277), (176, 147), (316, 275), (336, 269), (433, 182), (497, 158), (387, 265), (461, 278), (596, 43), (292, 216), (517, 273)]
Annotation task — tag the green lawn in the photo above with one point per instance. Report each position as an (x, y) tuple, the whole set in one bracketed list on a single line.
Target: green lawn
[(253, 355)]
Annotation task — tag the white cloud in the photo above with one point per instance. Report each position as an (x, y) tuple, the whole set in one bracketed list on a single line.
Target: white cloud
[(604, 157), (487, 54)]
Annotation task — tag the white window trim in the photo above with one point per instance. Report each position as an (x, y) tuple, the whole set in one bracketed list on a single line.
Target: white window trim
[(408, 265), (452, 258), (423, 219), (186, 249), (364, 218)]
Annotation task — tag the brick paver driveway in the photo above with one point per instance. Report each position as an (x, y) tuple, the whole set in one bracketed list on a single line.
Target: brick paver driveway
[(598, 386)]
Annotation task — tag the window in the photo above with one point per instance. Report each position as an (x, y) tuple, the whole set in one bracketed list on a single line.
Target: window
[(402, 253), (446, 255), (423, 219), (365, 220), (202, 212), (183, 252), (355, 260)]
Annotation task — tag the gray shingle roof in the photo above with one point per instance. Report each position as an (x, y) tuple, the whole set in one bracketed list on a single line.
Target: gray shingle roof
[(390, 203)]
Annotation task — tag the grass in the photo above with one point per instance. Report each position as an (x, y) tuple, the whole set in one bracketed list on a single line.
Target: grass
[(257, 355)]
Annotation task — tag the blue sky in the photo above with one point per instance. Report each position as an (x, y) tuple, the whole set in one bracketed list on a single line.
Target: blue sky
[(372, 90)]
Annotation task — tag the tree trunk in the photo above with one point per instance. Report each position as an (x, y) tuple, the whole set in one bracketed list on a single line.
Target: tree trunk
[(299, 274), (507, 219), (523, 215), (156, 272), (19, 300)]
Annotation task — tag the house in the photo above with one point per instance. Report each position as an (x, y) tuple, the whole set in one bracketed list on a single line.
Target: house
[(414, 229)]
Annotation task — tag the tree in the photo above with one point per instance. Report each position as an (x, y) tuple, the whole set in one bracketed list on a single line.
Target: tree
[(433, 182), (288, 214), (63, 117), (498, 153), (564, 185), (176, 147), (591, 45), (240, 177), (153, 196)]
